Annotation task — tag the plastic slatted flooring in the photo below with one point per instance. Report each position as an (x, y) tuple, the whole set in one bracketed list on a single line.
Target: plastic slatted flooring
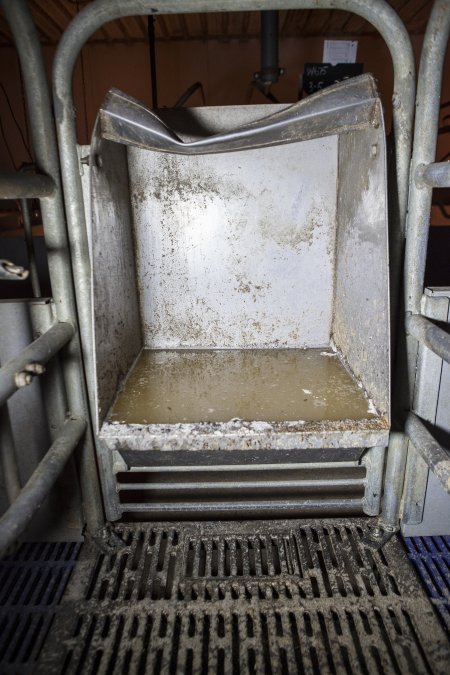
[(32, 583), (431, 558)]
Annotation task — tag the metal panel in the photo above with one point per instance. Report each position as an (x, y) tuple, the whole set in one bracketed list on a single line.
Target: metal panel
[(361, 310), (117, 330), (223, 261)]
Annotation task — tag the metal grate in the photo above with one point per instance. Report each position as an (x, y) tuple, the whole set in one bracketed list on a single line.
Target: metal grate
[(32, 582), (275, 597), (431, 558)]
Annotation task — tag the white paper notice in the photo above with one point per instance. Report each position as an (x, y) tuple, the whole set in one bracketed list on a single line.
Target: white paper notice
[(339, 51)]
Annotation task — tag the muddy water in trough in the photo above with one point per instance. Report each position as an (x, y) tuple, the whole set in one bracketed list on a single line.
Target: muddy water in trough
[(272, 385)]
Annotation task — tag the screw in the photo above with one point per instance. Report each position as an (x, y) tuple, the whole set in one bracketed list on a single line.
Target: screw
[(377, 532)]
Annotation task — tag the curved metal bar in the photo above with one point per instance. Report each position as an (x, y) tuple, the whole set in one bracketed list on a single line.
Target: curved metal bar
[(32, 495), (348, 105), (40, 116), (425, 138)]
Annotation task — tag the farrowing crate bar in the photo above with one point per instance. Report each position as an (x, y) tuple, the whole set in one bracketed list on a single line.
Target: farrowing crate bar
[(240, 282)]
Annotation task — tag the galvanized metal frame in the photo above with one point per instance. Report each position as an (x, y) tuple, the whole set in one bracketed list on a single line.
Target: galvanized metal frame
[(425, 175), (63, 331), (380, 14), (402, 498)]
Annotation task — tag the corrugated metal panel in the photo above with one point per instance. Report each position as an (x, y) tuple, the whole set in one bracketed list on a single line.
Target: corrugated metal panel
[(53, 16)]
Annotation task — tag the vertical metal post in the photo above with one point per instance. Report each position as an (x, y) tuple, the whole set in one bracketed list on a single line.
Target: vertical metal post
[(152, 54), (35, 285), (393, 483), (417, 228), (44, 142), (8, 458), (53, 391), (373, 460), (425, 138), (270, 70)]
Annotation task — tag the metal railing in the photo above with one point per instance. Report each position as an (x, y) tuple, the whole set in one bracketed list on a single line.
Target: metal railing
[(72, 432), (426, 174), (415, 443)]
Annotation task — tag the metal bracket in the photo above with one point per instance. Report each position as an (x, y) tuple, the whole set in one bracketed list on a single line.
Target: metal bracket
[(106, 539), (378, 535)]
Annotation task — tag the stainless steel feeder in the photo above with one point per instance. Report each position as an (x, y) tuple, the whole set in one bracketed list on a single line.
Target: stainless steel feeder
[(240, 279)]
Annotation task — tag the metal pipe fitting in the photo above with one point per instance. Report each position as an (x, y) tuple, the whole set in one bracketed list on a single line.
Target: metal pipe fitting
[(435, 175), (270, 70)]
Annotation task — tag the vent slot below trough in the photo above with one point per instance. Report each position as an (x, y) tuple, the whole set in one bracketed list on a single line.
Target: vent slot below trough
[(236, 490)]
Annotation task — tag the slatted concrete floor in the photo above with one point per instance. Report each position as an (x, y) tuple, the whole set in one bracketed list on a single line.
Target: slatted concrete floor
[(258, 597)]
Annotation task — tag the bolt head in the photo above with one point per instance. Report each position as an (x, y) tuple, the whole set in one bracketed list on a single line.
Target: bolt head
[(22, 379)]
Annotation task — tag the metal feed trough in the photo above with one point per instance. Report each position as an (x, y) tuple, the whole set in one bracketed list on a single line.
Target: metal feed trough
[(240, 281)]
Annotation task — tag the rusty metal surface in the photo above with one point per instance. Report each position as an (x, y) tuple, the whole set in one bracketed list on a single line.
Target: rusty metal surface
[(274, 597)]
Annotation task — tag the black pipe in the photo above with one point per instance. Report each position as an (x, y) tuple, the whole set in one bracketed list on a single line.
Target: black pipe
[(152, 54), (270, 70)]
